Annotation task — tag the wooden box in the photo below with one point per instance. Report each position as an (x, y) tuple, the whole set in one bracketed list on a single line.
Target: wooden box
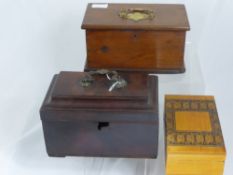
[(93, 121), (139, 37), (193, 136)]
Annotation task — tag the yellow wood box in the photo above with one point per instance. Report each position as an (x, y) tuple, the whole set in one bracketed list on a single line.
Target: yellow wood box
[(193, 137)]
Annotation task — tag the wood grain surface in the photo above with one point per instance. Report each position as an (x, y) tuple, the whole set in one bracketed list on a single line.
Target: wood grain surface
[(167, 17), (193, 137), (91, 121), (155, 45), (136, 50)]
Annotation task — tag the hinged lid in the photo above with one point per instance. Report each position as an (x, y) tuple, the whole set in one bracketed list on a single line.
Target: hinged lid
[(136, 16), (138, 97), (193, 130)]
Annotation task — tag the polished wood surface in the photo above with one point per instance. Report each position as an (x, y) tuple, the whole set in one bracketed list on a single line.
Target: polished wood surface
[(113, 139), (158, 51), (167, 17), (155, 45), (193, 136), (91, 121)]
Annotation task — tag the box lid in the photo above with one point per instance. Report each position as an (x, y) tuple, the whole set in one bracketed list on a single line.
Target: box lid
[(136, 16), (192, 128), (139, 96)]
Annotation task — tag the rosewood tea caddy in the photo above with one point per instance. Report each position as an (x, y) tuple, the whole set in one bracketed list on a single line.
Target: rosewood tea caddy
[(86, 114)]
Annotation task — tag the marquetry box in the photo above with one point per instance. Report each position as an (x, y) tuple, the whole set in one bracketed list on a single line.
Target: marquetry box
[(139, 37), (193, 136), (88, 118)]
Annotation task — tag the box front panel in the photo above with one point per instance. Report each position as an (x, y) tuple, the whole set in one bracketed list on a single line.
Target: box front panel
[(139, 50), (187, 167), (101, 139)]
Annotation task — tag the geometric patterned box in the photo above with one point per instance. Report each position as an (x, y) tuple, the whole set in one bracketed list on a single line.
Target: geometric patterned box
[(193, 137)]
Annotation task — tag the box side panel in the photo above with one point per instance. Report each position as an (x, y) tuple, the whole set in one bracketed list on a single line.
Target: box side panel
[(101, 139), (184, 167), (137, 50)]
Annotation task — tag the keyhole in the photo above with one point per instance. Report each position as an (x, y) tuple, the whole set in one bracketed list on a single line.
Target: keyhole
[(104, 49), (102, 125), (135, 35)]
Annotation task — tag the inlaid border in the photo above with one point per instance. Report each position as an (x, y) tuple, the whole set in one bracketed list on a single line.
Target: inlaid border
[(203, 138)]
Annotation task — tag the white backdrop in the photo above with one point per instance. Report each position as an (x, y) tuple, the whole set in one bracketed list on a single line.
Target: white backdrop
[(39, 38)]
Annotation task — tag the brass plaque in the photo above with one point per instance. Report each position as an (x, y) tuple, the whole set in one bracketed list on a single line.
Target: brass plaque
[(137, 14)]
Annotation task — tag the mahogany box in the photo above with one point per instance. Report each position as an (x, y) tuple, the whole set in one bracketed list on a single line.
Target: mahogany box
[(136, 37), (193, 136), (91, 120)]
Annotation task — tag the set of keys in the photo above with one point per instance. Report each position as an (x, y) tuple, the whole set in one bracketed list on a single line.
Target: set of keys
[(118, 81)]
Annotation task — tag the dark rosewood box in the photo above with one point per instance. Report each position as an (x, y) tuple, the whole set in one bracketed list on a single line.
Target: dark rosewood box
[(136, 37), (92, 121)]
